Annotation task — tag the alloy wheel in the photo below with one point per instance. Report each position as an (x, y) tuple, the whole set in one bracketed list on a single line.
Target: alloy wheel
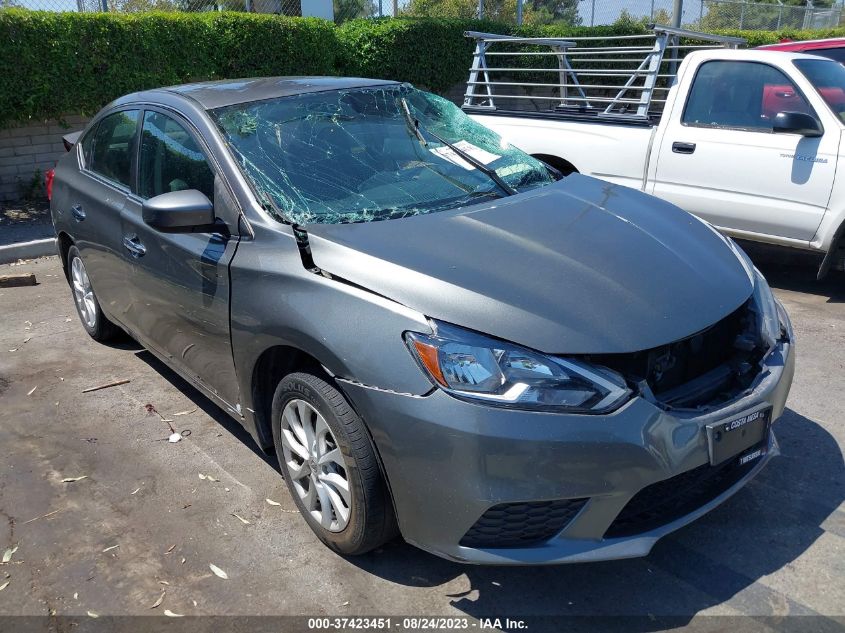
[(83, 293), (315, 465)]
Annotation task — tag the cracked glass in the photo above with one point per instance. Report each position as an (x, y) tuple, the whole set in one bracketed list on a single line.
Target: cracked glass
[(360, 155)]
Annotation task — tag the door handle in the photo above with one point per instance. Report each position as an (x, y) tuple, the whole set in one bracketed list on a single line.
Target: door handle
[(683, 148), (77, 212), (135, 248)]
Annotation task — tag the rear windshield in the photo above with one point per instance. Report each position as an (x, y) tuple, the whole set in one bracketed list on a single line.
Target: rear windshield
[(836, 54), (828, 78), (362, 155)]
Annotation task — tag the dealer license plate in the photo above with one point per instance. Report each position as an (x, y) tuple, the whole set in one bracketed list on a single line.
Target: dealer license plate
[(731, 437)]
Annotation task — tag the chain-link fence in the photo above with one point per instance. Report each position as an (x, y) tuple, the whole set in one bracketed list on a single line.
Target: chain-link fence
[(710, 15), (337, 10), (731, 14), (706, 15)]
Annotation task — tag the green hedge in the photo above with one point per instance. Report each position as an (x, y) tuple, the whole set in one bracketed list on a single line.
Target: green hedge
[(55, 63), (429, 53)]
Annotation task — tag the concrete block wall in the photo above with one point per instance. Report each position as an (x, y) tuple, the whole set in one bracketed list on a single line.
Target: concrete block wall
[(25, 149)]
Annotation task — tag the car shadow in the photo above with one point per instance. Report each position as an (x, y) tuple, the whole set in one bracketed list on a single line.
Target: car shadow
[(765, 526), (202, 401), (795, 270)]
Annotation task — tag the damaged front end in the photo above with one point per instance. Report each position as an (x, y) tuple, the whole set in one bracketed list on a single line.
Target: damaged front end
[(713, 367)]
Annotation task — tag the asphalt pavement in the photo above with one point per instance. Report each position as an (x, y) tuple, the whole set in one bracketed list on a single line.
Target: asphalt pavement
[(107, 517)]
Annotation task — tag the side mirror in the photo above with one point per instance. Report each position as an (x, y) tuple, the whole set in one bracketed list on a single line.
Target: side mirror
[(185, 211), (796, 123)]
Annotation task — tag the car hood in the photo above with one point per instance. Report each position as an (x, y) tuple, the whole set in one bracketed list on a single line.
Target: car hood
[(579, 266)]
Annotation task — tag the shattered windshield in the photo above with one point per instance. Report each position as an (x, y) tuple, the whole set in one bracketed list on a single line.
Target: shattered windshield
[(370, 154)]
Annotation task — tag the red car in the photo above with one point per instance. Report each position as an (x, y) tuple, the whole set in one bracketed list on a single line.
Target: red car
[(833, 48), (782, 98)]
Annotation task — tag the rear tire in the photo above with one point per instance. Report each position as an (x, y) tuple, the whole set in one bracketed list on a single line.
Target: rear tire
[(93, 320), (330, 465)]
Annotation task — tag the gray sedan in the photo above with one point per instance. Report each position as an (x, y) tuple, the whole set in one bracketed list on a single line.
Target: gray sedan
[(439, 335)]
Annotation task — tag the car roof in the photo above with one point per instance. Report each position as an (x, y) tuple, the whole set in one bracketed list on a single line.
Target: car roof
[(753, 54), (807, 45), (216, 94)]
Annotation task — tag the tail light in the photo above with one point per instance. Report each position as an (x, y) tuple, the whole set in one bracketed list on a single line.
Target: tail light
[(48, 182)]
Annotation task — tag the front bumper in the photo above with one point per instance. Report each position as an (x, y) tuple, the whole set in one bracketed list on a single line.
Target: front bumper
[(449, 461)]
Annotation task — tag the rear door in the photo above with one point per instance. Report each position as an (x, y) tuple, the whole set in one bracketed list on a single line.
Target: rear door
[(179, 282), (94, 198), (718, 157)]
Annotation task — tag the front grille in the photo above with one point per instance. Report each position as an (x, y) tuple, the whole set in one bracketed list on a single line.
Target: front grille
[(521, 524), (704, 370), (673, 498)]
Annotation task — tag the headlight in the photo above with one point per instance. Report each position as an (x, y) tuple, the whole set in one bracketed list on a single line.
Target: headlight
[(766, 308), (764, 304), (475, 367)]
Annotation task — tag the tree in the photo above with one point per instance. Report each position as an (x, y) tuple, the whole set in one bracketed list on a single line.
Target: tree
[(351, 9), (661, 16), (138, 6), (534, 11), (552, 12), (465, 9)]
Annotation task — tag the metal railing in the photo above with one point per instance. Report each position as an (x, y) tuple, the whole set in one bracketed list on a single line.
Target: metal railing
[(615, 76)]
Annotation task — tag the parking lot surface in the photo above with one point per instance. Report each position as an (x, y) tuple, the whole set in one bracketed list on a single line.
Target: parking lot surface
[(150, 517)]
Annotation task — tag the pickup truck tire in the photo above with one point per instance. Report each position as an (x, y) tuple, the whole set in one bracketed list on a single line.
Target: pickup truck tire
[(91, 316), (304, 405), (835, 257)]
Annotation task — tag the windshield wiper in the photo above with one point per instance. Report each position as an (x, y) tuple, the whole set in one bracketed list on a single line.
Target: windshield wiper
[(419, 131), (413, 124)]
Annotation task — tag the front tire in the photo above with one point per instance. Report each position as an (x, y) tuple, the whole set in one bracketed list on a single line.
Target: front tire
[(330, 466), (87, 307)]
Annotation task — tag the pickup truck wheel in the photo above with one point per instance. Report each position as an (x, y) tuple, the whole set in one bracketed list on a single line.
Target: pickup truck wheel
[(87, 307), (330, 466)]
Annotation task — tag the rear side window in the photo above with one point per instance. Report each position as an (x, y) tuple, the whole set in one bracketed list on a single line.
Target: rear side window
[(110, 151), (745, 95), (171, 160)]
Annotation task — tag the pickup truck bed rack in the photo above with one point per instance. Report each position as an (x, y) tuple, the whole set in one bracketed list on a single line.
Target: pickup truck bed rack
[(623, 78)]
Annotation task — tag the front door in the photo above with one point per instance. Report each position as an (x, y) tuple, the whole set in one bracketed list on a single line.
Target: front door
[(179, 282), (720, 159)]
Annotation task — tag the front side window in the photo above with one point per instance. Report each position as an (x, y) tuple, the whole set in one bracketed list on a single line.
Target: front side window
[(828, 78), (171, 160), (744, 95), (369, 154), (111, 144)]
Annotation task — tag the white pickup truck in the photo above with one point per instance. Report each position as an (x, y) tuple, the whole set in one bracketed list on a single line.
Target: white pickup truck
[(749, 140)]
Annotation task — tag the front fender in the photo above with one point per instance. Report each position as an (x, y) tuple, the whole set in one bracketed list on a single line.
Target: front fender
[(352, 332)]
